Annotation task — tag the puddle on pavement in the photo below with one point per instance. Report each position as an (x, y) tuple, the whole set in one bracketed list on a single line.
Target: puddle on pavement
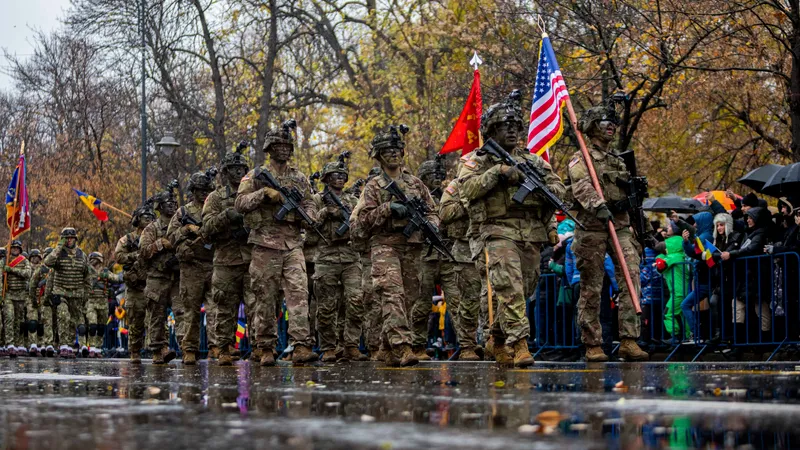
[(433, 406)]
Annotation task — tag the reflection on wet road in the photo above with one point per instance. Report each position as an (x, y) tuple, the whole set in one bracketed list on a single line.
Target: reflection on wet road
[(112, 404)]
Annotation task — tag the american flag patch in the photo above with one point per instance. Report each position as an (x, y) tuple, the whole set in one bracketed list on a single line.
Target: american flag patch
[(574, 161)]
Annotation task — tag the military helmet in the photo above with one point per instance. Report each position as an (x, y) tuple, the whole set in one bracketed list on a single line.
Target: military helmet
[(35, 252), (280, 135), (69, 232), (140, 212), (164, 196), (200, 181), (506, 111), (232, 159), (334, 167), (425, 169), (16, 243), (96, 255), (25, 254), (391, 137), (595, 114), (47, 251)]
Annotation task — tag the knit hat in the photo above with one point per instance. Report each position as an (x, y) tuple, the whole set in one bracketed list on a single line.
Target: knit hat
[(750, 200)]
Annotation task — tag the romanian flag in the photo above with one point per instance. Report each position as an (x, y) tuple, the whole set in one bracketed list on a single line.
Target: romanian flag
[(93, 204), (706, 249), (18, 207), (240, 330), (466, 135)]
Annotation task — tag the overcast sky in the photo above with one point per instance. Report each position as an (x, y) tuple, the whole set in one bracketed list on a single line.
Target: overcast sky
[(18, 18)]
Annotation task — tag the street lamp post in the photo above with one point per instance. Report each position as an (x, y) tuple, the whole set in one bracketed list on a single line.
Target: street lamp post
[(142, 12), (168, 144)]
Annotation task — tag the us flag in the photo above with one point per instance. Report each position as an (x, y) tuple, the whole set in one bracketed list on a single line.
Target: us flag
[(549, 96)]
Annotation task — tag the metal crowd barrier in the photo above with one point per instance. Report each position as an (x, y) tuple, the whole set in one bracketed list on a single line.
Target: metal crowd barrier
[(554, 324)]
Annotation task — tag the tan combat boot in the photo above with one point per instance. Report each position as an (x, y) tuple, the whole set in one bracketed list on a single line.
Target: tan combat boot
[(256, 354), (468, 354), (189, 358), (522, 356), (234, 352), (391, 358), (163, 356), (419, 352), (407, 356), (376, 355), (629, 351), (267, 359), (303, 354), (595, 353), (136, 358), (329, 356), (488, 351), (213, 353), (353, 354), (503, 355), (225, 358)]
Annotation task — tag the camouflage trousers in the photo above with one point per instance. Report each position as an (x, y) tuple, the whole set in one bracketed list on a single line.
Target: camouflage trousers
[(135, 312), (159, 294), (230, 286), (13, 321), (312, 301), (70, 314), (195, 290), (395, 279), (420, 307), (513, 274), (46, 313), (590, 249), (270, 272), (96, 318), (371, 325), (338, 287), (461, 283)]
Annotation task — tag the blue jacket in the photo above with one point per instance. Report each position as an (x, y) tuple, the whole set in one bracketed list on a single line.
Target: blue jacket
[(574, 275), (704, 230), (649, 278)]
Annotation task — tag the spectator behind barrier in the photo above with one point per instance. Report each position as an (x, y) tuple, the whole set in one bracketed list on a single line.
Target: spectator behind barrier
[(701, 288), (750, 288), (676, 278)]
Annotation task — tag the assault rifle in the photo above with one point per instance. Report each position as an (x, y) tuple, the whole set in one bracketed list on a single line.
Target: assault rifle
[(417, 209), (291, 199), (187, 219), (532, 181), (312, 180), (330, 196)]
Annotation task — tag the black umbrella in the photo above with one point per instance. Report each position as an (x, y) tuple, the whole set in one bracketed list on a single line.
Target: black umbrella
[(673, 203), (757, 178), (786, 181)]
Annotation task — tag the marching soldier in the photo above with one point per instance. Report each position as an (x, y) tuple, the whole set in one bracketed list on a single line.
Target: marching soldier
[(162, 273), (395, 258), (71, 280), (337, 276), (278, 262), (135, 275), (97, 305), (32, 310), (195, 256), (510, 233), (230, 281), (39, 295), (17, 270), (461, 280), (590, 246), (371, 328)]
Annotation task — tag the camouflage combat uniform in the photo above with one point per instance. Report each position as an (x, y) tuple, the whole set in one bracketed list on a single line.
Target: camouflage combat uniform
[(162, 277), (395, 258), (195, 256), (277, 259), (461, 280), (590, 246), (337, 280), (230, 282), (97, 305), (72, 279), (135, 275), (14, 311), (39, 295)]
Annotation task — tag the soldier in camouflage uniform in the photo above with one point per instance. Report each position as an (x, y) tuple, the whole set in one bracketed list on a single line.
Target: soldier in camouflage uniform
[(157, 252), (135, 273), (591, 245), (17, 270), (38, 296), (230, 281), (32, 310), (371, 325), (97, 305), (196, 257), (395, 258), (71, 280), (337, 277), (461, 280), (278, 262), (512, 234)]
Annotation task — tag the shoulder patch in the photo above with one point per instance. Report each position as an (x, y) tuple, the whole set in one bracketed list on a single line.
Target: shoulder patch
[(451, 189), (465, 158), (471, 163), (574, 160)]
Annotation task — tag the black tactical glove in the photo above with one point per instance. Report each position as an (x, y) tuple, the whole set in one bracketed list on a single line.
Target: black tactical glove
[(603, 214), (234, 216), (399, 210)]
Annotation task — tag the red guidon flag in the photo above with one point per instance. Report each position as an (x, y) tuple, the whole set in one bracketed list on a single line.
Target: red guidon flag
[(466, 134)]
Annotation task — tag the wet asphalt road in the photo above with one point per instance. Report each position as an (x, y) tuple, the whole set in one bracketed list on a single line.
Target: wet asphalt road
[(46, 404)]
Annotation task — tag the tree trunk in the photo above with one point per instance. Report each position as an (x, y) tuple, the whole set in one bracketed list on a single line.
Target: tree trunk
[(267, 81), (218, 121)]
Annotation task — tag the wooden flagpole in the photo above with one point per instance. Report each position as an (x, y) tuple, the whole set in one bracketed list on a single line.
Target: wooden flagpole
[(113, 208), (587, 158)]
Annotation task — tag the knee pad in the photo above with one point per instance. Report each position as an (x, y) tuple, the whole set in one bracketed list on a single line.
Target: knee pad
[(33, 325), (40, 329), (92, 329), (100, 329), (23, 328), (82, 330), (55, 300)]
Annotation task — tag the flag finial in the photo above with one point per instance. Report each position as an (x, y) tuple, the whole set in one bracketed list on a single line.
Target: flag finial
[(475, 61)]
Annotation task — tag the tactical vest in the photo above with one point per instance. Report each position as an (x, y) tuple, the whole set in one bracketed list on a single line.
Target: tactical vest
[(613, 176), (193, 252), (99, 289), (163, 264), (264, 216), (393, 224), (136, 273), (68, 274), (17, 282)]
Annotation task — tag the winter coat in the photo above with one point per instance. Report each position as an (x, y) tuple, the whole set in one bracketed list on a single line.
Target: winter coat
[(752, 274), (676, 278), (650, 278)]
